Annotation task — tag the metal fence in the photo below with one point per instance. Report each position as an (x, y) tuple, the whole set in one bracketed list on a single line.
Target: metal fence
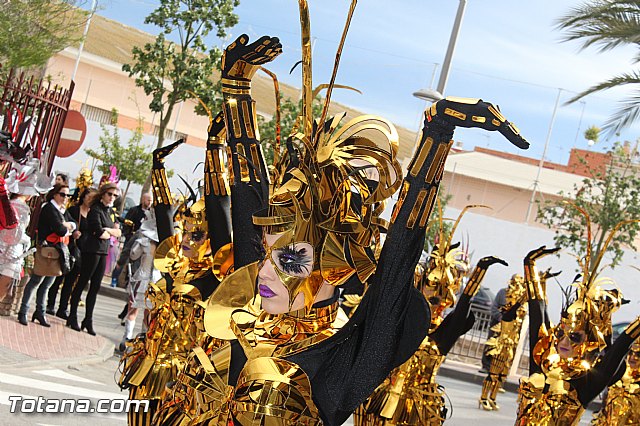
[(470, 347)]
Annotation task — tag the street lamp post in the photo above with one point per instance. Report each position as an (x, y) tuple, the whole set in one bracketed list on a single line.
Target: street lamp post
[(435, 95), (455, 31), (541, 163)]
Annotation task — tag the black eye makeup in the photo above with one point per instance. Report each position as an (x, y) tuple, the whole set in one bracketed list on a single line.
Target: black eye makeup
[(293, 261), (197, 235)]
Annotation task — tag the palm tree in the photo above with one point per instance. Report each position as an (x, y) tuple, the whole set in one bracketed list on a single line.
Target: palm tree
[(607, 24)]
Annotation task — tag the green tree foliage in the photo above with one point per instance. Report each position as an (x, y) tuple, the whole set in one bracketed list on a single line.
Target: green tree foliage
[(608, 197), (592, 134), (32, 31), (133, 159), (289, 112), (172, 72), (607, 24)]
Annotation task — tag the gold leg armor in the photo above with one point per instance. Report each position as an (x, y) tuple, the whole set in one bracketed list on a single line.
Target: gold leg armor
[(484, 403)]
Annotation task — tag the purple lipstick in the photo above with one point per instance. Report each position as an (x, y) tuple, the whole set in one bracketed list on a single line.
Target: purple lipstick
[(265, 291)]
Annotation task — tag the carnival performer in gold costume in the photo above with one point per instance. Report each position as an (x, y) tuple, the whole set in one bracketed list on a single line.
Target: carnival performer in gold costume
[(570, 363), (286, 364), (622, 404), (502, 346), (186, 262), (411, 395)]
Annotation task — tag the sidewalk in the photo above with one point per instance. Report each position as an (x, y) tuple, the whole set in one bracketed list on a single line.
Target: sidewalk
[(22, 346)]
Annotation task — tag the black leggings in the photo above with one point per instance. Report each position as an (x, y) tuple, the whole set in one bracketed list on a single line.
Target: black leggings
[(91, 269)]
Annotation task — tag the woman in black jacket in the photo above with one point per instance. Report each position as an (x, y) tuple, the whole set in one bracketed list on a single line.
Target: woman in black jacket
[(53, 228), (101, 228), (78, 213)]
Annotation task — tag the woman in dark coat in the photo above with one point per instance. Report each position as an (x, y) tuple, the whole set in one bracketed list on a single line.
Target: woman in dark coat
[(101, 228), (52, 228), (78, 213)]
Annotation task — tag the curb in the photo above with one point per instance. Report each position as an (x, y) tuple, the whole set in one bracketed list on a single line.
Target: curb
[(113, 292), (105, 352)]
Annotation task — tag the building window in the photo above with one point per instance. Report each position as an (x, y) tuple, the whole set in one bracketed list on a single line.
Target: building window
[(168, 134), (99, 115)]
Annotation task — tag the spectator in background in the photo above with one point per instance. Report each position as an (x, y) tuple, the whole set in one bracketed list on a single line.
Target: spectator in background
[(133, 219), (53, 228), (94, 254), (62, 179), (78, 213)]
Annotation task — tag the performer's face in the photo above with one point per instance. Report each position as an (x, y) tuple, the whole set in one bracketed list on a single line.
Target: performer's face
[(633, 359), (569, 341), (193, 240), (282, 273)]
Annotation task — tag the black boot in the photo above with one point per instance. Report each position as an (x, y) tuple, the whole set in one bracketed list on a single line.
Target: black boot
[(87, 324), (72, 322), (39, 316), (123, 314), (62, 314), (22, 319)]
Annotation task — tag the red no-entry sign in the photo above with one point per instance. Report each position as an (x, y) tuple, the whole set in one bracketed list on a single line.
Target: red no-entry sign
[(73, 134)]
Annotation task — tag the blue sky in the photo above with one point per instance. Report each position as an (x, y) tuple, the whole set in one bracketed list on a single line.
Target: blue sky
[(508, 53)]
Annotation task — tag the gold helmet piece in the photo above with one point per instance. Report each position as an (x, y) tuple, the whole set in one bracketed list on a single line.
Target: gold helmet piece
[(326, 193)]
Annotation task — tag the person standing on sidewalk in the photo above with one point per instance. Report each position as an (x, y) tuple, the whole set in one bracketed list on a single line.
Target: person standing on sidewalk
[(55, 229), (78, 213), (94, 254), (22, 182), (134, 216)]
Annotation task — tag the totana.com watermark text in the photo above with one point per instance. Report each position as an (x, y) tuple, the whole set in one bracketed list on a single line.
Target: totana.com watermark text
[(45, 405)]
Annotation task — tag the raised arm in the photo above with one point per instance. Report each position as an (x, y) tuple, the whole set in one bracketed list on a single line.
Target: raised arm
[(461, 319), (216, 189), (393, 318), (248, 171), (162, 199), (536, 293)]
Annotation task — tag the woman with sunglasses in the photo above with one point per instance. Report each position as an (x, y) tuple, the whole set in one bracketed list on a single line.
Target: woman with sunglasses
[(102, 226), (78, 212), (54, 229)]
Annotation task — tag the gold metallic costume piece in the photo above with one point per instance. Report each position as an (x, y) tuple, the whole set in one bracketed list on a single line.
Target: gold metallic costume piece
[(410, 395), (215, 173), (622, 403), (502, 346), (156, 358), (160, 186)]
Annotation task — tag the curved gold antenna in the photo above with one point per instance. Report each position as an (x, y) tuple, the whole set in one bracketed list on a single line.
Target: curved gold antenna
[(587, 261), (206, 108), (276, 88), (323, 86), (336, 64), (455, 224), (604, 248), (305, 27)]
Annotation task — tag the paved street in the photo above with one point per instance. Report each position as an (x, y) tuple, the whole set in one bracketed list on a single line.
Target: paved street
[(63, 379)]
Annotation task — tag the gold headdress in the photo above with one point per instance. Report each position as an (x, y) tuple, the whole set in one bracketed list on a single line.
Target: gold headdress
[(586, 315), (187, 254), (327, 195), (447, 266)]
